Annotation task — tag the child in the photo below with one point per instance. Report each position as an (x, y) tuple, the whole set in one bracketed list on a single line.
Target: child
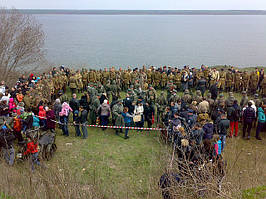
[(127, 119), (217, 145), (32, 148), (42, 116)]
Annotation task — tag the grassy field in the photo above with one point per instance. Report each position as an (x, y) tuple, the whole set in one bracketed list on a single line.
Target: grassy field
[(112, 167)]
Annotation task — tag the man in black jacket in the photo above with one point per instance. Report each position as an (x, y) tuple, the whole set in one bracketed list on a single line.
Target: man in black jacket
[(223, 127), (248, 117), (74, 104)]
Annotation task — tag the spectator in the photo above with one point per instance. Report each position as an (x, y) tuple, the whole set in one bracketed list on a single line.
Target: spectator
[(64, 114), (233, 114), (127, 120), (261, 121), (248, 117), (138, 114), (50, 115), (223, 127), (104, 112), (83, 120), (149, 114)]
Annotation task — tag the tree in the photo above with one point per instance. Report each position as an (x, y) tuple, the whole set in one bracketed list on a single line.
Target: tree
[(21, 42)]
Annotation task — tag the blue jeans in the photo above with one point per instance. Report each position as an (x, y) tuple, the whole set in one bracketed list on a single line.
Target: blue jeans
[(64, 125), (77, 130), (84, 130), (223, 138), (126, 131), (34, 160)]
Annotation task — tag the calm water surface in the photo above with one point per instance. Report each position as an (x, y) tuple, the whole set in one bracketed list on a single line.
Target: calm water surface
[(99, 40)]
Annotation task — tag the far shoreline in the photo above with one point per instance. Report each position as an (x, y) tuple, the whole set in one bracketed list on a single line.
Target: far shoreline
[(143, 12)]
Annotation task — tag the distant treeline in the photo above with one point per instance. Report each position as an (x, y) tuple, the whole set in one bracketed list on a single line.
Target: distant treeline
[(146, 12)]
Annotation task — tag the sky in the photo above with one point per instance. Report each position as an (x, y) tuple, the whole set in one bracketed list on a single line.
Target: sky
[(137, 4)]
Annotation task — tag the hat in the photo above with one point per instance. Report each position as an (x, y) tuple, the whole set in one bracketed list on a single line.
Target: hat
[(105, 101), (244, 92)]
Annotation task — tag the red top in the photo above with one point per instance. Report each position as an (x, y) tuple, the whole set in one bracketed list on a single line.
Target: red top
[(31, 148)]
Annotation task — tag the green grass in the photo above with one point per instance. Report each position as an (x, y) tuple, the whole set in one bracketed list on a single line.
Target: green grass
[(255, 193), (120, 168)]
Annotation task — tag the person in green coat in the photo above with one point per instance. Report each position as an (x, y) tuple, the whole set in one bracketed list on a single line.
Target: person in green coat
[(117, 117)]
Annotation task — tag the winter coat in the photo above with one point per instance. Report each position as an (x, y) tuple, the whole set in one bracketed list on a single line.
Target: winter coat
[(42, 113), (127, 118), (12, 105), (148, 112), (50, 115), (249, 115), (74, 104), (261, 115), (104, 110), (197, 135), (233, 113), (36, 121), (117, 114), (223, 126), (208, 131), (83, 116), (57, 109), (65, 109)]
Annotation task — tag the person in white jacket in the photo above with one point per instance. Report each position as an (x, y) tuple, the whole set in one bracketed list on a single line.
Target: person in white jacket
[(138, 115)]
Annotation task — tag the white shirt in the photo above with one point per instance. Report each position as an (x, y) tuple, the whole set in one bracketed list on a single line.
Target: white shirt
[(138, 110)]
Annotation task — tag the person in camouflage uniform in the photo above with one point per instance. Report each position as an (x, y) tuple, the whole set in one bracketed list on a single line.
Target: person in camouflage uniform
[(78, 77), (253, 83), (244, 100), (126, 79), (198, 96), (94, 107), (245, 81), (264, 86), (73, 83), (117, 117), (229, 81), (163, 80), (161, 104), (177, 80), (237, 80), (187, 98), (105, 76), (151, 95), (85, 79), (221, 84), (157, 79)]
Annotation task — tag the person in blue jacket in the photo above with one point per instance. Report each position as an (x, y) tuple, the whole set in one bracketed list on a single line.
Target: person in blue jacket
[(127, 120), (261, 121)]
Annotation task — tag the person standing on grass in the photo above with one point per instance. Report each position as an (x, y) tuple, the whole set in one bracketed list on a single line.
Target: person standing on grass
[(83, 120), (127, 120), (104, 112), (148, 114), (249, 116), (138, 112), (64, 114), (261, 121), (233, 114), (223, 127)]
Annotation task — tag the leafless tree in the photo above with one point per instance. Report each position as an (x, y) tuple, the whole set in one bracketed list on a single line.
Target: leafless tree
[(21, 42)]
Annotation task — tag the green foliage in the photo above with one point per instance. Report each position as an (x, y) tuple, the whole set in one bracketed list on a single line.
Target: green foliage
[(255, 193)]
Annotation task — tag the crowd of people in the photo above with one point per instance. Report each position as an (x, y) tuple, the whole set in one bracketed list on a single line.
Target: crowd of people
[(152, 98)]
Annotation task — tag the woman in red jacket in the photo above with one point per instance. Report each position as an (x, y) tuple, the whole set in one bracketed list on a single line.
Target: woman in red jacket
[(42, 117)]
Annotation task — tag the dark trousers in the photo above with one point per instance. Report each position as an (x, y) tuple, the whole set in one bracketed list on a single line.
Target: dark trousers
[(73, 90), (247, 127), (260, 126)]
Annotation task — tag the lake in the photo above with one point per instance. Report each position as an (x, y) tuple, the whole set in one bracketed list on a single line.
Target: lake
[(96, 41)]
